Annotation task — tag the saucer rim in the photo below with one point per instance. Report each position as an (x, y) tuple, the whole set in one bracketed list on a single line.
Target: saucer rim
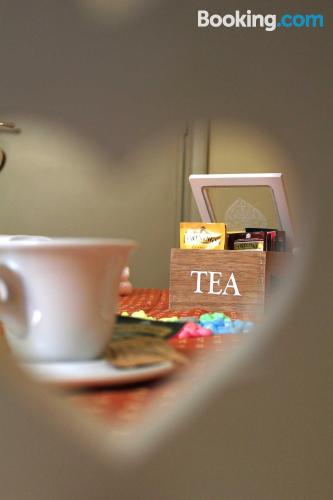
[(54, 373)]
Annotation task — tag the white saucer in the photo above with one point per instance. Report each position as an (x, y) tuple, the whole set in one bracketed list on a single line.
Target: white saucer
[(94, 373)]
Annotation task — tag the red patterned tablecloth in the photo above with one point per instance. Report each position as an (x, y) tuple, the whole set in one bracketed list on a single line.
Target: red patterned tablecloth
[(127, 405), (155, 303)]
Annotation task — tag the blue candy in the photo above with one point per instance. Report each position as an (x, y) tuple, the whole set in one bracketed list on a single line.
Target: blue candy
[(220, 324), (238, 322), (208, 324), (222, 330), (248, 325)]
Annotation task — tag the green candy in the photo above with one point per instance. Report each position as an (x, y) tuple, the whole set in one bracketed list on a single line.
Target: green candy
[(210, 317), (206, 317)]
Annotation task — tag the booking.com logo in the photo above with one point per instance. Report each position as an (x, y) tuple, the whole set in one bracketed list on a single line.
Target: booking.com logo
[(269, 22)]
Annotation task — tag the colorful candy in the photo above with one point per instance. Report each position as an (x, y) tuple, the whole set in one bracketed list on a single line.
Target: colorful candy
[(221, 324), (193, 330), (216, 323)]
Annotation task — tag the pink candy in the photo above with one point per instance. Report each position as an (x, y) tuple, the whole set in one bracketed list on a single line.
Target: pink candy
[(193, 330)]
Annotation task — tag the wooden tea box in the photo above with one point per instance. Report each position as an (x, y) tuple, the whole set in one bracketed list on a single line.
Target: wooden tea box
[(226, 280)]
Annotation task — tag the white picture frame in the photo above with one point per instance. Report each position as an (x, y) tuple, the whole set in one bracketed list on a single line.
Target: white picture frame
[(199, 183)]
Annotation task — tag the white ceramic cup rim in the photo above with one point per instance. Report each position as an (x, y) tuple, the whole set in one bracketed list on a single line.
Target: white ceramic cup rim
[(66, 242)]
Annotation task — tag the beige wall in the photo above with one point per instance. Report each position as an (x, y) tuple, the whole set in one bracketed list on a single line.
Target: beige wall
[(59, 183)]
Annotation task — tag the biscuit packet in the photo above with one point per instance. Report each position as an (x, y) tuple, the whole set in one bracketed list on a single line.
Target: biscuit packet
[(202, 235)]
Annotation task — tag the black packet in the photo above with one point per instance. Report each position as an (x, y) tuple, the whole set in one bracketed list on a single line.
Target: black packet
[(128, 327), (233, 237), (275, 239)]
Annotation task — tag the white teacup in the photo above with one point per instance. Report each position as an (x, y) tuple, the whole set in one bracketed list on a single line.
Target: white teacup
[(58, 297)]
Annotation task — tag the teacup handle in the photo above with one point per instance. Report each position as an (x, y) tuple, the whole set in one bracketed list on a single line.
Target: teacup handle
[(4, 296), (12, 312), (4, 293)]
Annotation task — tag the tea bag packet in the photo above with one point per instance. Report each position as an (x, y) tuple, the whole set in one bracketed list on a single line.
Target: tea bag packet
[(252, 241), (129, 327), (275, 239), (140, 351), (232, 236), (261, 239), (143, 329), (202, 235), (138, 342)]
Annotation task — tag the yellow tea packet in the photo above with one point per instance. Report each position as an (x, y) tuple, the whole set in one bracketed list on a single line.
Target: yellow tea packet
[(202, 235)]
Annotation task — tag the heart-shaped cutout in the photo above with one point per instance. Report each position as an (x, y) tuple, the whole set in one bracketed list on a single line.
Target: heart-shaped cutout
[(218, 75)]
